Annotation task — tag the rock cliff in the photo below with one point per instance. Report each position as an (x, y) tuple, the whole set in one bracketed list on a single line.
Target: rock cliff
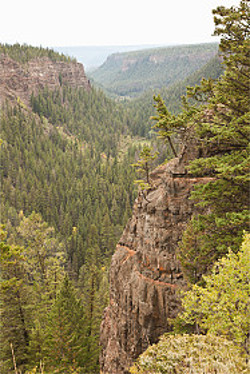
[(145, 274), (20, 80)]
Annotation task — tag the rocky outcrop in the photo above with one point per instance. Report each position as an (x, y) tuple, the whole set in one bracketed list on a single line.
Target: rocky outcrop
[(145, 274), (20, 80)]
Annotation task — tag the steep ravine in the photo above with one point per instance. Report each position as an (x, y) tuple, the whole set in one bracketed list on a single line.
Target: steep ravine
[(145, 274)]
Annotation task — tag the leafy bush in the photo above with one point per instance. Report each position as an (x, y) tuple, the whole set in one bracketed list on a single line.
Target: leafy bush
[(194, 354), (222, 305)]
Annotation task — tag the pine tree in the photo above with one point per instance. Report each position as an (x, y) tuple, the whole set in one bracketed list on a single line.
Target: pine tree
[(127, 211), (42, 264), (167, 125), (107, 235), (143, 166), (16, 316), (44, 255), (65, 347), (89, 283), (221, 124)]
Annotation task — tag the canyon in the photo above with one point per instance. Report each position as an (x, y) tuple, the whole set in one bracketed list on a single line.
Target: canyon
[(145, 274)]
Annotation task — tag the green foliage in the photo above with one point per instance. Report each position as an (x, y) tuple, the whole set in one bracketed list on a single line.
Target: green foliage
[(143, 166), (194, 262), (222, 125), (45, 255), (14, 306), (86, 117), (30, 279), (93, 285), (183, 354), (218, 303), (141, 108), (24, 53), (41, 314), (132, 73), (72, 183), (168, 125), (221, 306), (61, 163), (65, 346), (203, 242)]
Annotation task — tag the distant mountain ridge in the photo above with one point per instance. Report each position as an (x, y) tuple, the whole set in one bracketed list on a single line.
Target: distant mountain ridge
[(94, 56), (142, 108), (132, 73)]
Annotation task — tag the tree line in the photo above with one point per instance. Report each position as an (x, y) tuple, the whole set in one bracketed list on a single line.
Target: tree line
[(24, 53)]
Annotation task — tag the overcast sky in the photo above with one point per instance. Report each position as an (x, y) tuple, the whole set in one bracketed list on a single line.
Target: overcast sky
[(107, 22)]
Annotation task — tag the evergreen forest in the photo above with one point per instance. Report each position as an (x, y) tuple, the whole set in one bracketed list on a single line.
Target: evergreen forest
[(129, 74), (70, 163), (67, 185)]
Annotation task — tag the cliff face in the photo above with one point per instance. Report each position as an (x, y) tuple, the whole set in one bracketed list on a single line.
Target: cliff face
[(20, 80), (145, 274)]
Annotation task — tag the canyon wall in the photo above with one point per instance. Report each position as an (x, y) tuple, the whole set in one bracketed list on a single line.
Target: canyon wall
[(20, 80), (145, 274)]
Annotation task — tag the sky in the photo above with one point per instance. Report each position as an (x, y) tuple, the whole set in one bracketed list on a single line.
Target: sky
[(108, 22)]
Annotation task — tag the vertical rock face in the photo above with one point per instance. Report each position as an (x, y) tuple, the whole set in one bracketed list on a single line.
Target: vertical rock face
[(145, 274), (20, 80)]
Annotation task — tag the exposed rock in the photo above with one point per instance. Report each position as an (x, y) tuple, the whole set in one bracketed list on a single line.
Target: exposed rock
[(145, 273), (20, 80)]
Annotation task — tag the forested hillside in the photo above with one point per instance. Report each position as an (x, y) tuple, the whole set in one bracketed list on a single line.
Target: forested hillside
[(132, 73), (94, 56), (142, 108), (25, 53), (67, 191), (66, 194)]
